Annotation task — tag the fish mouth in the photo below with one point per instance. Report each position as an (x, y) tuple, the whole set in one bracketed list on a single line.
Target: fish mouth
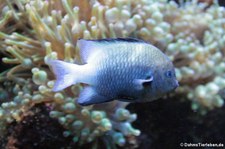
[(176, 84)]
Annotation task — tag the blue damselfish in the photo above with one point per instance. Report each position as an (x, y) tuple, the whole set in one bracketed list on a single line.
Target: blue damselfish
[(125, 69)]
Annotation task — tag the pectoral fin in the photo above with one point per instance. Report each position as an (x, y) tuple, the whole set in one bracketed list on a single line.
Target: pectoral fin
[(139, 83), (89, 96)]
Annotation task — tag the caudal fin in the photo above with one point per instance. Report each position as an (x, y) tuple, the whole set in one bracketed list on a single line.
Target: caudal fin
[(65, 74)]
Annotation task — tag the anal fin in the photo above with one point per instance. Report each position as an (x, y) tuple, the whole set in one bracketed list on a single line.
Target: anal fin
[(89, 96)]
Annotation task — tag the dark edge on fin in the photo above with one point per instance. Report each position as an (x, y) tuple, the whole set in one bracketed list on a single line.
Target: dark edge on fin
[(129, 39)]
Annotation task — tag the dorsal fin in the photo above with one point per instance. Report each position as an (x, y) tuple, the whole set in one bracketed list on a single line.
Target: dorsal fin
[(88, 47), (113, 40)]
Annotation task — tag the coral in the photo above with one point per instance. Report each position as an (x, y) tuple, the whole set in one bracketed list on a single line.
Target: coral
[(31, 32)]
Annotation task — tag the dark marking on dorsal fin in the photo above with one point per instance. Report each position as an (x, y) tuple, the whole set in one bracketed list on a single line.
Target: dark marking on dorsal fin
[(133, 40)]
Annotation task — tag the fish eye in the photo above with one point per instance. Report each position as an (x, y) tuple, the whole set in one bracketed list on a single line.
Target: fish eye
[(169, 74)]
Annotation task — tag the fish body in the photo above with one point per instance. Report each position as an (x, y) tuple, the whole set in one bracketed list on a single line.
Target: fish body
[(125, 69)]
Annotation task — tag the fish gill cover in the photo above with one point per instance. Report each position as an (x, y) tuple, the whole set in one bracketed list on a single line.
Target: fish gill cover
[(32, 31)]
